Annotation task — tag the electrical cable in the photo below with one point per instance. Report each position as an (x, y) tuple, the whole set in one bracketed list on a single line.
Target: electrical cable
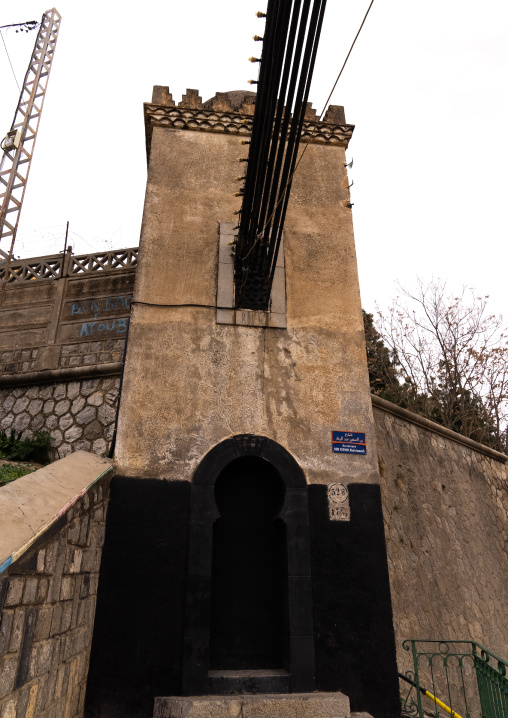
[(10, 63), (347, 58), (277, 210), (175, 306), (289, 53), (291, 36), (326, 102)]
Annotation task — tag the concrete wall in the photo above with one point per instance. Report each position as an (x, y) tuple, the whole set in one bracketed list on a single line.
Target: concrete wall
[(53, 524), (445, 505), (63, 326), (59, 319), (208, 381)]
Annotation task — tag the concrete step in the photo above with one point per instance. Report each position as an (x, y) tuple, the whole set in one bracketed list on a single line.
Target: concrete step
[(275, 705), (230, 683)]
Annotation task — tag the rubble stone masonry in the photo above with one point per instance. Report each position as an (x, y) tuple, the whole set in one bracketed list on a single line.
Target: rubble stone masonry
[(47, 604), (79, 415)]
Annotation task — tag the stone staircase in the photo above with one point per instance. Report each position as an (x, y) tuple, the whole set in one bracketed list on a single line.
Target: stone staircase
[(256, 705)]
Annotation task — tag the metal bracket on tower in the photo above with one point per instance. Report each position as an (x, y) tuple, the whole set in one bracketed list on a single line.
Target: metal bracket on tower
[(18, 150)]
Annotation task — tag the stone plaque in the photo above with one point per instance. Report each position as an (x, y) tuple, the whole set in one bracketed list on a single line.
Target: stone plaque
[(338, 502)]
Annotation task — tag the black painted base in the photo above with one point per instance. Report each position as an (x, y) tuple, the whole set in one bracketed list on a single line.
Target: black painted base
[(138, 634), (138, 646), (353, 621)]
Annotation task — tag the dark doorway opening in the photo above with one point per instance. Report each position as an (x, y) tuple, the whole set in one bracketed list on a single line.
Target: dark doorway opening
[(260, 502), (249, 596)]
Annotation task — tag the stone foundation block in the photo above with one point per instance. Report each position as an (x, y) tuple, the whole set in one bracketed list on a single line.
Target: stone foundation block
[(289, 705)]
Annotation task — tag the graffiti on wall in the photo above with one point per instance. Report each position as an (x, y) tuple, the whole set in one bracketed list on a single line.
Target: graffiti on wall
[(97, 308), (117, 326)]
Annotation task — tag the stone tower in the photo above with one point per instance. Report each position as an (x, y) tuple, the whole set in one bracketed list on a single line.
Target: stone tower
[(247, 486)]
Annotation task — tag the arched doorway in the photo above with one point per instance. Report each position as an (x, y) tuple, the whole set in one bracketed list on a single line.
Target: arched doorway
[(249, 596), (249, 568)]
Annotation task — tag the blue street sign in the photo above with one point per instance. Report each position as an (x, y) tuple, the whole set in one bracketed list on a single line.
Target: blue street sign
[(349, 448), (348, 437)]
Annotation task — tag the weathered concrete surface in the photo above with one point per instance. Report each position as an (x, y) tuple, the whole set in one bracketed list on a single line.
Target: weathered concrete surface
[(29, 505), (48, 593), (69, 322), (293, 705), (190, 383), (445, 509)]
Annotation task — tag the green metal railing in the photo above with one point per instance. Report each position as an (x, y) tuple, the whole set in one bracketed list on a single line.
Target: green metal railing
[(461, 679)]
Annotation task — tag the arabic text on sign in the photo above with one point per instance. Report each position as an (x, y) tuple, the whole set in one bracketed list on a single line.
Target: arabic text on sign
[(348, 437)]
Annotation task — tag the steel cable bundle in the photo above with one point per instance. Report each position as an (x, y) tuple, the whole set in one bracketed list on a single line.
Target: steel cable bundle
[(287, 62)]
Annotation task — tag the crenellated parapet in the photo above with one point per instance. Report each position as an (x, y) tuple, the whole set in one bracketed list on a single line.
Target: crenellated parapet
[(232, 112)]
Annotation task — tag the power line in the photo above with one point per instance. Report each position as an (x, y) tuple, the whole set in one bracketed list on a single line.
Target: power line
[(10, 63), (290, 44), (25, 26), (347, 58)]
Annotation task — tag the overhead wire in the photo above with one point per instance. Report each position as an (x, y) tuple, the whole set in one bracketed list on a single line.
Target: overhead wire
[(329, 97), (284, 83), (289, 49), (25, 27), (8, 57)]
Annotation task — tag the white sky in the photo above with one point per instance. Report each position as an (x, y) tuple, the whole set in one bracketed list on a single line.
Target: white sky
[(426, 87)]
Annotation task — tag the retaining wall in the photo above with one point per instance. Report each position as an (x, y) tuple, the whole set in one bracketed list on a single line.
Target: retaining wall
[(445, 505), (63, 326), (65, 311), (53, 525), (79, 415)]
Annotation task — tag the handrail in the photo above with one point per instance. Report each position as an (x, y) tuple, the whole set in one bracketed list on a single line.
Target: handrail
[(445, 663), (427, 693)]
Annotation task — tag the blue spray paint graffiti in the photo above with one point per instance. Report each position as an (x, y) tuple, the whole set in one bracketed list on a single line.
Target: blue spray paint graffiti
[(96, 306), (100, 306), (89, 329)]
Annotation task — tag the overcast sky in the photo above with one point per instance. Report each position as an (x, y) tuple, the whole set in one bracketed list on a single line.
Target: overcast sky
[(426, 87)]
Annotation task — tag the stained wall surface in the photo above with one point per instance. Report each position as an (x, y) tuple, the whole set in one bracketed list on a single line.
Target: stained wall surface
[(209, 381), (64, 313), (445, 508)]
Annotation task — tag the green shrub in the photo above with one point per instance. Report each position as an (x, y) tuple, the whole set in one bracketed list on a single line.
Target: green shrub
[(11, 472), (34, 448)]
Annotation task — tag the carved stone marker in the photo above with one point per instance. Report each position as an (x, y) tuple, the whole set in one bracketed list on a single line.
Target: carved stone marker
[(338, 502)]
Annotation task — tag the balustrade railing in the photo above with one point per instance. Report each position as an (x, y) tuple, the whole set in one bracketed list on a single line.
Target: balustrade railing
[(461, 679), (60, 265)]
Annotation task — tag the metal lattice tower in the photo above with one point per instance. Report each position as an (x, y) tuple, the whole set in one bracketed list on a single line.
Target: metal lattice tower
[(15, 164)]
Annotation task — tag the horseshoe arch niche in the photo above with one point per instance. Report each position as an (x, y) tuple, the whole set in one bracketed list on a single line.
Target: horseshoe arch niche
[(297, 655)]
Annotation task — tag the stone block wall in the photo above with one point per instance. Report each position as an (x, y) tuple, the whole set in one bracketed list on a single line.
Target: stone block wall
[(78, 354), (79, 415), (47, 609), (445, 506), (91, 353), (18, 360)]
